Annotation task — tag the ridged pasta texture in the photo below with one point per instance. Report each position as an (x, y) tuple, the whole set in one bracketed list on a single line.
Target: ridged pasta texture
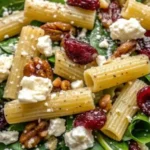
[(59, 104), (67, 69), (12, 25), (123, 109), (51, 12), (118, 71), (140, 11), (25, 50)]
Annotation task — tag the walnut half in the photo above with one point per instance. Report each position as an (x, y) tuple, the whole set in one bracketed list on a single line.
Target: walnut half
[(34, 133), (39, 68), (57, 30)]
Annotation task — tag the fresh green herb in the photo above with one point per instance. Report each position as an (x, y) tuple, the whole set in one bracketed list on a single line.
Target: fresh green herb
[(8, 46), (98, 35), (52, 59), (110, 144), (139, 129), (17, 127)]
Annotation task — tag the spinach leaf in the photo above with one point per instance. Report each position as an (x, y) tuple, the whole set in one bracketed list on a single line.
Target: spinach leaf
[(58, 1), (98, 35), (8, 46), (139, 1), (17, 127), (69, 123), (14, 146), (11, 5), (97, 146), (110, 144), (2, 86), (139, 129), (36, 23), (61, 145), (51, 59)]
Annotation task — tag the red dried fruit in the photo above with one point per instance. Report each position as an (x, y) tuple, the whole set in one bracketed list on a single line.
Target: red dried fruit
[(3, 121), (133, 145), (86, 4), (143, 45), (94, 119), (143, 100), (110, 15), (79, 52)]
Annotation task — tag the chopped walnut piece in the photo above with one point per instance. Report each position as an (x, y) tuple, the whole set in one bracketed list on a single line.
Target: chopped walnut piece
[(57, 30), (34, 133), (39, 68), (124, 48), (65, 85), (106, 103)]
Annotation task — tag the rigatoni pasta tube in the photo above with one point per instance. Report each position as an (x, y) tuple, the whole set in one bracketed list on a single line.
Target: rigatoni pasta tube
[(62, 104), (25, 50), (67, 69), (12, 25), (50, 12), (134, 9), (122, 111), (117, 72)]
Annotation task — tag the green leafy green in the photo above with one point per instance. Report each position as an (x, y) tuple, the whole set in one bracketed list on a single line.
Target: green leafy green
[(2, 86), (8, 46), (110, 144), (36, 23), (61, 145), (98, 35), (58, 1), (14, 146), (139, 129), (97, 146), (17, 127), (139, 1), (69, 123), (52, 59)]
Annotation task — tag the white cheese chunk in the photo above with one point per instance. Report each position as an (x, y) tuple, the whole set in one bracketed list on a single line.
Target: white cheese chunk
[(79, 138), (57, 127), (77, 84), (104, 44), (44, 46), (8, 137), (100, 60), (34, 89), (82, 33), (5, 65), (124, 30)]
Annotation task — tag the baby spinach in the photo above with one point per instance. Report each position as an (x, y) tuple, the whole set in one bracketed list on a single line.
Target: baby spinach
[(58, 1), (17, 127), (97, 146), (110, 144), (99, 34), (139, 129), (14, 146), (2, 86)]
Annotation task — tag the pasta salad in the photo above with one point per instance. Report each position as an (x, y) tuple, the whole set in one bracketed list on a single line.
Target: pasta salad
[(75, 75)]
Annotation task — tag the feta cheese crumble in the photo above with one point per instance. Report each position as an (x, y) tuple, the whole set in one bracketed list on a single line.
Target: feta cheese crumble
[(44, 45), (77, 84), (5, 65), (104, 44), (124, 30), (100, 60), (34, 89), (8, 137), (79, 138), (57, 127)]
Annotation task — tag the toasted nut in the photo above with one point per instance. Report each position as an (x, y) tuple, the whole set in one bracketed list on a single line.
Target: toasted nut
[(57, 82), (105, 102), (57, 30), (38, 67), (124, 48), (65, 85), (34, 133), (32, 142)]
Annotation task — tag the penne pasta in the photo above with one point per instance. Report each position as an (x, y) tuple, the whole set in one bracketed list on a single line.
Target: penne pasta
[(67, 69), (45, 11), (104, 3), (122, 111), (117, 72), (133, 9), (60, 104), (25, 50), (12, 25)]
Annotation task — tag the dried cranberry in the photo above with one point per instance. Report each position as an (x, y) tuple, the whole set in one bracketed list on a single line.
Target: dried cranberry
[(143, 100), (94, 119), (143, 45), (79, 52), (134, 145), (3, 121), (86, 4), (110, 15)]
